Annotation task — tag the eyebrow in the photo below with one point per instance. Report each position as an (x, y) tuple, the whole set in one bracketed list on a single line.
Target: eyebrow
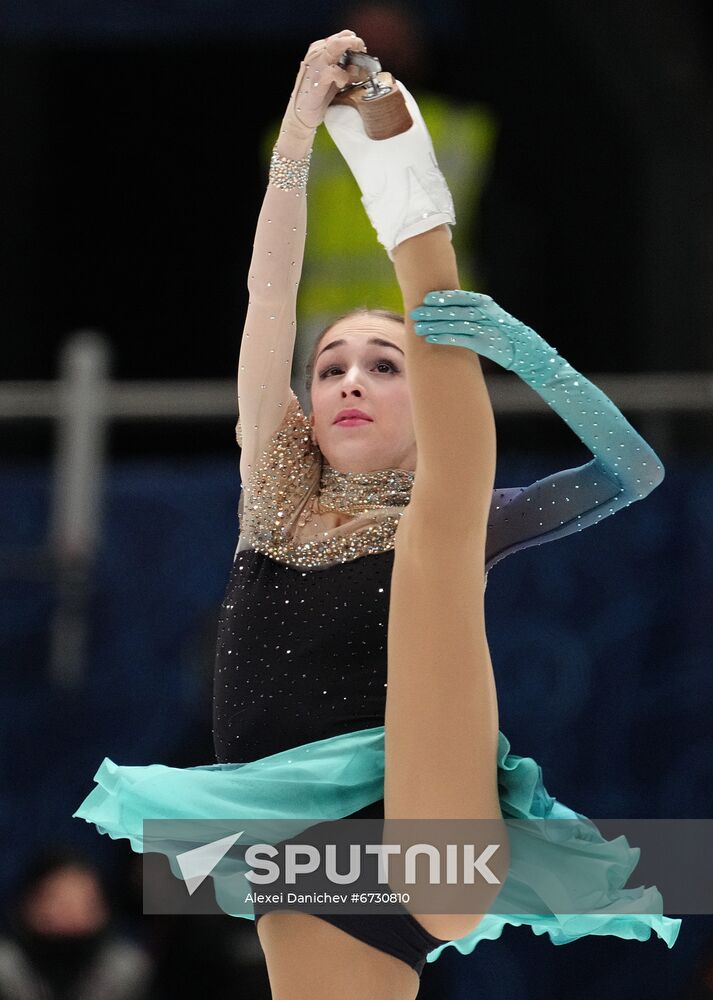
[(371, 340)]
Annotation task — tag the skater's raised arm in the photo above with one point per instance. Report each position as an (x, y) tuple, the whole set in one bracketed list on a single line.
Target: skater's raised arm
[(624, 467), (268, 340)]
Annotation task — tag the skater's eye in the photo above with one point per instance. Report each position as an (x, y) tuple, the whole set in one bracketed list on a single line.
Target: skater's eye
[(384, 361)]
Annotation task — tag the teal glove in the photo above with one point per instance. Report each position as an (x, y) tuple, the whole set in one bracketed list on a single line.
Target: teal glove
[(475, 321)]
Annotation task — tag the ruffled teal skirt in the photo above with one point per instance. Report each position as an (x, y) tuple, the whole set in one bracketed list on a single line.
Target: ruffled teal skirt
[(333, 778)]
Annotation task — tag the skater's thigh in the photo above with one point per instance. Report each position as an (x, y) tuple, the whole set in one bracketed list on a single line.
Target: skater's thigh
[(311, 959)]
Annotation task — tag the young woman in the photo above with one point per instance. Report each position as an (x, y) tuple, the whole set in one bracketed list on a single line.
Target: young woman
[(353, 676)]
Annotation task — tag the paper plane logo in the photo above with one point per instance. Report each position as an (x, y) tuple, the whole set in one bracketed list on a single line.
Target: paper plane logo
[(197, 864)]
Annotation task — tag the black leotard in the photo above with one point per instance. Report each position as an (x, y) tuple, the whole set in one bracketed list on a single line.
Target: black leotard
[(301, 654)]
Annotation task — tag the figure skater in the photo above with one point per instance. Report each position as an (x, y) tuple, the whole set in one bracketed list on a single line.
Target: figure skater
[(353, 676)]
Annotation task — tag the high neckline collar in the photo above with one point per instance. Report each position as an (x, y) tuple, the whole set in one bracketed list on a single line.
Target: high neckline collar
[(354, 492)]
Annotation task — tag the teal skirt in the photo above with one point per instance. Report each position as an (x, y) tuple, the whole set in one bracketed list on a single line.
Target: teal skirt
[(333, 778)]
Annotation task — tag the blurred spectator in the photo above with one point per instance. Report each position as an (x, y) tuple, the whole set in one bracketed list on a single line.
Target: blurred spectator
[(62, 943)]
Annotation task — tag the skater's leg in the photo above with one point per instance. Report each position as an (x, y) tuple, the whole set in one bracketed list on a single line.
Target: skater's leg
[(441, 708)]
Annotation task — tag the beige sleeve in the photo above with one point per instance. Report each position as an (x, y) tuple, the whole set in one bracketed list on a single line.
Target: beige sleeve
[(285, 476), (268, 340)]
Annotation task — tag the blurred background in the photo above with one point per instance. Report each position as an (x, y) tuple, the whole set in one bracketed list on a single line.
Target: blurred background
[(578, 142)]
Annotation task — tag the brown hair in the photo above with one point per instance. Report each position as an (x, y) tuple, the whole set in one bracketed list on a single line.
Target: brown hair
[(359, 311)]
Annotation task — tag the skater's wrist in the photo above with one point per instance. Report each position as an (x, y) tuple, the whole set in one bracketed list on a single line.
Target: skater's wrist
[(294, 141)]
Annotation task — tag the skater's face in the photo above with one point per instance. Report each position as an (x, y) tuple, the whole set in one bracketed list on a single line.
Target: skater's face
[(351, 372)]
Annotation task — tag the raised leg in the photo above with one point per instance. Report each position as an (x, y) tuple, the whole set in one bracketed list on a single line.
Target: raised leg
[(441, 707)]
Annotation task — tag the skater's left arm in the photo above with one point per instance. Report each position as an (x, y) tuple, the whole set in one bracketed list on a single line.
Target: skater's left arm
[(624, 468)]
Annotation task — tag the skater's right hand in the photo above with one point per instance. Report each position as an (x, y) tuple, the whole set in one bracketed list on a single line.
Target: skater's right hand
[(318, 80)]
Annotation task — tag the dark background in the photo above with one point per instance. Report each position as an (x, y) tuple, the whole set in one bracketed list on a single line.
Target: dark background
[(131, 178)]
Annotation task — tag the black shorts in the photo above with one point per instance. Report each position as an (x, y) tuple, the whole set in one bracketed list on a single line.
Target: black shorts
[(396, 933)]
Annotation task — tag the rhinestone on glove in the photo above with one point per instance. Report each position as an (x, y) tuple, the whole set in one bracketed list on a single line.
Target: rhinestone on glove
[(288, 174)]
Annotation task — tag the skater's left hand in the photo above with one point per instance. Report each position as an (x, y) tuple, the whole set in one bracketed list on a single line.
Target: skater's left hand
[(474, 320)]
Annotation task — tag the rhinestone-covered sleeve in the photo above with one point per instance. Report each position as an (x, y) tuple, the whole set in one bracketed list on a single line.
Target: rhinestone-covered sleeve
[(268, 339), (285, 475), (624, 468)]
